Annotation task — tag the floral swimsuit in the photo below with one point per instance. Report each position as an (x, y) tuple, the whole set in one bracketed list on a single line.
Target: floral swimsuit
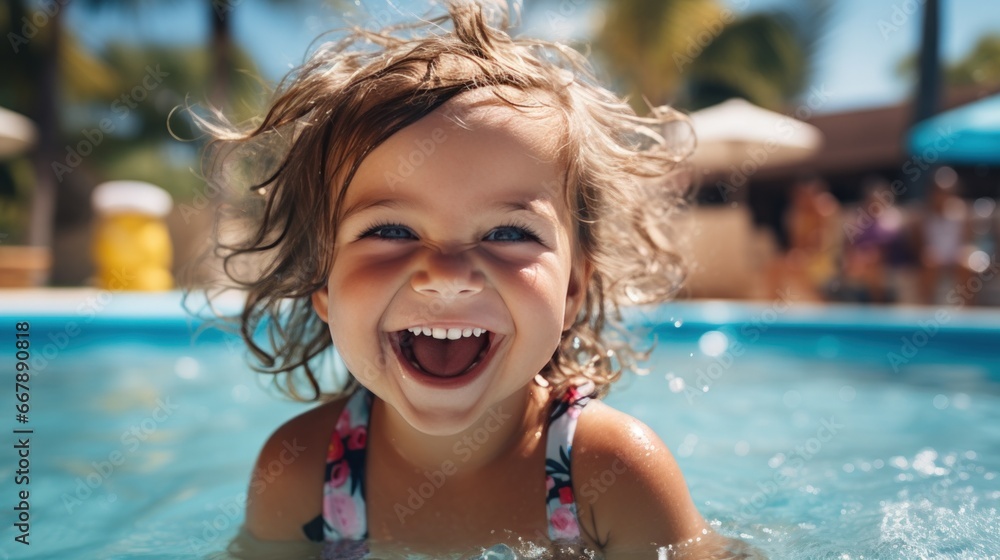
[(344, 517)]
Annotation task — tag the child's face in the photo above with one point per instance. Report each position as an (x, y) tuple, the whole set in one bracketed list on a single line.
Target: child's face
[(438, 231)]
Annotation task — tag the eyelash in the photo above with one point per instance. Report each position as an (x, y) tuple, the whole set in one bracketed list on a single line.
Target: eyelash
[(526, 230)]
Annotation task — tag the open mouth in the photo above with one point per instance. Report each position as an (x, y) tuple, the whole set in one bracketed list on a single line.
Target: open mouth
[(443, 353)]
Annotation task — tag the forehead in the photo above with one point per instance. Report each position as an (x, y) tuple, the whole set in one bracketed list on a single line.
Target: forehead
[(476, 143), (535, 121)]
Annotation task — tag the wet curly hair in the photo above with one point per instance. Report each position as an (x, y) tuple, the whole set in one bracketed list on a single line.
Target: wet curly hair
[(286, 178)]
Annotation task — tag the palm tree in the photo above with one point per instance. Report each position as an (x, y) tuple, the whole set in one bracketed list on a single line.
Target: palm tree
[(647, 44), (928, 85), (757, 58), (695, 53)]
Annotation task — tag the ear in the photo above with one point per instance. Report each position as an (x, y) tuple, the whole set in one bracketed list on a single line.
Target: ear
[(576, 293), (320, 299)]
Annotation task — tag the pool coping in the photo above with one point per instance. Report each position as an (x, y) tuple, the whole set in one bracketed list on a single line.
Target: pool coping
[(159, 307)]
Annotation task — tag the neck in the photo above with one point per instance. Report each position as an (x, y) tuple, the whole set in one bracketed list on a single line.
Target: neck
[(510, 427)]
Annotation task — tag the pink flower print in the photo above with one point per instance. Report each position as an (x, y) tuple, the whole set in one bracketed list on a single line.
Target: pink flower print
[(358, 438), (343, 514), (344, 422), (564, 524), (336, 450), (550, 483), (565, 495), (339, 473), (574, 411)]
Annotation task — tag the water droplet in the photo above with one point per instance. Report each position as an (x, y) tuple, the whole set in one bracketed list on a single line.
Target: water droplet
[(848, 468), (186, 367), (940, 402), (713, 343), (678, 323), (960, 401), (676, 385)]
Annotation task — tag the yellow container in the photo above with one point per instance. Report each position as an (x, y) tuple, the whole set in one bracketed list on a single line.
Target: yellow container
[(131, 244)]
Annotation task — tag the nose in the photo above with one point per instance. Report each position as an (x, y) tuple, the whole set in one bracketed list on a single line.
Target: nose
[(447, 275)]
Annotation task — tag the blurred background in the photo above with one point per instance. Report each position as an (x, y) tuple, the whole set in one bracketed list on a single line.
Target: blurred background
[(848, 150)]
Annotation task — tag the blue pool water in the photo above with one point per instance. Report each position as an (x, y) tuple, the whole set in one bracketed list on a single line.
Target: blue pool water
[(837, 433)]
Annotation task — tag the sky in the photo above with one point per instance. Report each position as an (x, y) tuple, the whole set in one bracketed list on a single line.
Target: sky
[(855, 65)]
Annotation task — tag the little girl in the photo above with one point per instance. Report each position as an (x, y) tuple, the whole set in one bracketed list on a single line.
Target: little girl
[(458, 214)]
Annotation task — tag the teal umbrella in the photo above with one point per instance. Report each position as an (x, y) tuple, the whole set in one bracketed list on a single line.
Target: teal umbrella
[(969, 134)]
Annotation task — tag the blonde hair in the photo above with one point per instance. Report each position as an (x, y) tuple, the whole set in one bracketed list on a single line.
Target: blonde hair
[(354, 94)]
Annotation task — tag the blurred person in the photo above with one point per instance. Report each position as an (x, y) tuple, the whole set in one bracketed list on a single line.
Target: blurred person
[(873, 246), (944, 234), (814, 238)]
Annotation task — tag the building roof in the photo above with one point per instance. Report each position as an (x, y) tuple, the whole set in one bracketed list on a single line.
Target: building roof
[(857, 141)]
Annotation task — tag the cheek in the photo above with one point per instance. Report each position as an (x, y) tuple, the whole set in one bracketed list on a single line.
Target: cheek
[(541, 294)]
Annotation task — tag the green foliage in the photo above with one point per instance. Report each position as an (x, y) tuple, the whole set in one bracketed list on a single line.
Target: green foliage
[(694, 53), (641, 38), (980, 66), (160, 83), (757, 58)]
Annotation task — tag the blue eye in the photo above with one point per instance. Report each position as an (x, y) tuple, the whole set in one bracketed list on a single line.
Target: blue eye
[(511, 234), (388, 231)]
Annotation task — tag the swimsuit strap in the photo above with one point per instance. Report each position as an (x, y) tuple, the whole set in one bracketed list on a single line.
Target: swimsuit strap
[(344, 513), (560, 505), (345, 516)]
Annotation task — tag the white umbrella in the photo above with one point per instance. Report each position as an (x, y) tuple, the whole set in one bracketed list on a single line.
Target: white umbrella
[(738, 135), (17, 133)]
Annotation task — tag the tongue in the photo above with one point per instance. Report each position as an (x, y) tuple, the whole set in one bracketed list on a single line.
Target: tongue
[(446, 358)]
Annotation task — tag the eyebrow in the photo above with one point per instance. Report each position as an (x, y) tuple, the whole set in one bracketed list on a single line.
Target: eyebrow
[(522, 204)]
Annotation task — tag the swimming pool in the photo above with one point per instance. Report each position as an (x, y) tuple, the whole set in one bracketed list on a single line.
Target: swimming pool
[(809, 432)]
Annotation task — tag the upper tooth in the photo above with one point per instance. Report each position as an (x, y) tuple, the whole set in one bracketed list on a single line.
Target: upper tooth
[(447, 333)]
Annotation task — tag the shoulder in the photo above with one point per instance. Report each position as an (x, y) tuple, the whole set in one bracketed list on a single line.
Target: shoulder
[(629, 490), (286, 487)]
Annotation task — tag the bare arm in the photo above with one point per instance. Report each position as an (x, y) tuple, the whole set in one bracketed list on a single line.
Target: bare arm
[(286, 487), (630, 491)]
